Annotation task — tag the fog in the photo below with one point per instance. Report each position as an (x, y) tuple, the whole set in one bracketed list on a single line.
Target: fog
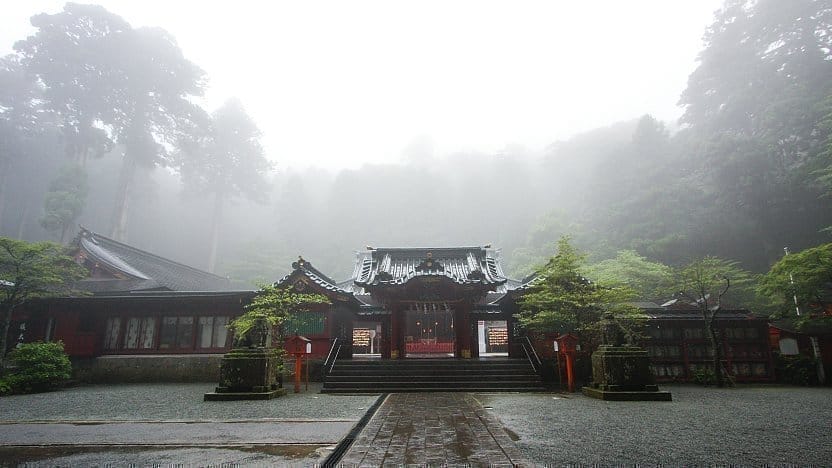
[(372, 125), (339, 84)]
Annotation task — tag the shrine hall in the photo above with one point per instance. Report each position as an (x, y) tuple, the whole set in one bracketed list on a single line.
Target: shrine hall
[(418, 302)]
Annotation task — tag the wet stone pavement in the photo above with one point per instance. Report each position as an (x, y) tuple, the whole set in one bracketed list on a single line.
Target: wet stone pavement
[(171, 425), (436, 429)]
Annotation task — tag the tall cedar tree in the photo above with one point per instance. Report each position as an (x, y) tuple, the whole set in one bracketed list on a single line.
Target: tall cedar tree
[(108, 79), (225, 159), (65, 200)]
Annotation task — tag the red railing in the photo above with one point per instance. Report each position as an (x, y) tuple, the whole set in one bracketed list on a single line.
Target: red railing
[(436, 347)]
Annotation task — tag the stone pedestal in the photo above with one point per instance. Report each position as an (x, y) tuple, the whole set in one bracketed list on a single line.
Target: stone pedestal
[(623, 373), (248, 374)]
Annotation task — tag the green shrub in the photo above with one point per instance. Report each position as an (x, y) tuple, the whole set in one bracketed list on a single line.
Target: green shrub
[(704, 376), (795, 370), (37, 367)]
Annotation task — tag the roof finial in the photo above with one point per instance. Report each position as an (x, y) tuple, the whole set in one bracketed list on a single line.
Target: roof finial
[(301, 263)]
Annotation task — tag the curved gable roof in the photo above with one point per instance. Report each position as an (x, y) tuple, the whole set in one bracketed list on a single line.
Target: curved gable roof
[(139, 270)]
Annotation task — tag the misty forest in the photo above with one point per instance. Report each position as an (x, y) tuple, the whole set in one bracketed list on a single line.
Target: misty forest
[(99, 127)]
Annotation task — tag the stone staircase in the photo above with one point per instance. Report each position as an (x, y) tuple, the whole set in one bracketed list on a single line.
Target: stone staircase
[(432, 375)]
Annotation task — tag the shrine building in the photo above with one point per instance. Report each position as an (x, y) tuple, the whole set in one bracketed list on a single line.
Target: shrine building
[(145, 317)]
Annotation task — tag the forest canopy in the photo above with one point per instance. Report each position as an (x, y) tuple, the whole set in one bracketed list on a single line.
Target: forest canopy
[(118, 145)]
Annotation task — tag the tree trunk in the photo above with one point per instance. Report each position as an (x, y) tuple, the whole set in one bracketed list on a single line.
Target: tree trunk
[(4, 334), (716, 348), (4, 171), (21, 227), (64, 228), (215, 231), (122, 199)]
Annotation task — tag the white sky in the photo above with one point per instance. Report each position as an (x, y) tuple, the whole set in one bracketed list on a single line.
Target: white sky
[(341, 83)]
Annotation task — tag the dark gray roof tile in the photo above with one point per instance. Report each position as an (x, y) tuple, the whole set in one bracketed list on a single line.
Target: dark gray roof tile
[(142, 270)]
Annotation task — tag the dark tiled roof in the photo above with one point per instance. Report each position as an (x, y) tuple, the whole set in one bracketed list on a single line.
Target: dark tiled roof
[(695, 314), (463, 265), (304, 268), (140, 270), (817, 327)]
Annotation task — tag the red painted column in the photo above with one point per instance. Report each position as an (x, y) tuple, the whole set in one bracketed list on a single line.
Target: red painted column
[(570, 376), (298, 368)]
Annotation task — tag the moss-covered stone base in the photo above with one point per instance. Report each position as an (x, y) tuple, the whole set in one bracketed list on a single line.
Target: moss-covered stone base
[(248, 374), (622, 373)]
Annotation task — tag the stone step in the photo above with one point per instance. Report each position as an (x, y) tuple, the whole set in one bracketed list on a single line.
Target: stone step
[(428, 371), (504, 389), (430, 377), (415, 375), (431, 384)]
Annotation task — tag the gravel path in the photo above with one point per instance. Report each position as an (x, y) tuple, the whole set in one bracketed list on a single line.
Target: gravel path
[(176, 402), (175, 434), (701, 426)]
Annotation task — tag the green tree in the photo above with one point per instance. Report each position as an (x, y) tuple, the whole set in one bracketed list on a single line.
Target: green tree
[(70, 55), (23, 124), (561, 299), (156, 87), (650, 280), (756, 104), (28, 271), (704, 283), (110, 81), (805, 276), (270, 308), (65, 200), (226, 160)]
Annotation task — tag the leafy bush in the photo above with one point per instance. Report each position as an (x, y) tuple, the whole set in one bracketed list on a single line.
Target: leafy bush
[(704, 376), (795, 370), (37, 367)]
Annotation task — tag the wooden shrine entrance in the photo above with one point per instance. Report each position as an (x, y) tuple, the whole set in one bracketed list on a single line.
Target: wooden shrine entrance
[(425, 298), (429, 331)]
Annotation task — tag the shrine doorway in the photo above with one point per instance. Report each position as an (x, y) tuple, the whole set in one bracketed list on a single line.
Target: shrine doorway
[(492, 338), (367, 338), (429, 331)]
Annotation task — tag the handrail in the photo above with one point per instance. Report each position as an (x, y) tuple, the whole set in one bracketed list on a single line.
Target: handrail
[(335, 358), (331, 348), (529, 357), (531, 346)]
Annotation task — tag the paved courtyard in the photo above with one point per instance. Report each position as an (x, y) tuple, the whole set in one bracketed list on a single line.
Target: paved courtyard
[(433, 429), (169, 424), (746, 425)]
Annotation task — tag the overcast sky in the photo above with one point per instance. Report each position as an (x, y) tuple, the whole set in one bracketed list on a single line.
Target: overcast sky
[(341, 83)]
